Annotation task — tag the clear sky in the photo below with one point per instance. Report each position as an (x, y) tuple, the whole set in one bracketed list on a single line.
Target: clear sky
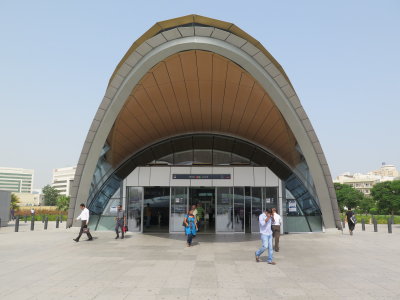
[(56, 57)]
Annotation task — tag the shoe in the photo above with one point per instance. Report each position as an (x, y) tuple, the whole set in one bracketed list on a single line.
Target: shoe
[(257, 258), (117, 237), (76, 240), (272, 263), (91, 239), (277, 250), (122, 238)]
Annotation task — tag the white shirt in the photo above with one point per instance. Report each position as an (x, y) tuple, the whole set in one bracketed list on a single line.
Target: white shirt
[(265, 227), (277, 219), (84, 216)]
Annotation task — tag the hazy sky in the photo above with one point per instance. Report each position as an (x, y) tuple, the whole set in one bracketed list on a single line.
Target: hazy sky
[(56, 57)]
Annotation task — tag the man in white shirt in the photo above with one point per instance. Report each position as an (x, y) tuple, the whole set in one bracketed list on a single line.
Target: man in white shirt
[(276, 228), (84, 217), (265, 220)]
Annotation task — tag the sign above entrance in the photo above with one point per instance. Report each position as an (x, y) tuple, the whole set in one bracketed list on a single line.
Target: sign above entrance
[(201, 176)]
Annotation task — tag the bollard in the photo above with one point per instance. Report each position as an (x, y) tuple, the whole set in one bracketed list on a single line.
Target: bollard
[(389, 221), (17, 224), (363, 224), (61, 218), (57, 222), (46, 221), (26, 218), (32, 223), (43, 218), (375, 225)]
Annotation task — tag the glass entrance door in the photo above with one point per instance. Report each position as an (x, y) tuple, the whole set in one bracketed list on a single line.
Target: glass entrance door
[(225, 213), (239, 209), (156, 209), (179, 208), (204, 199), (134, 208)]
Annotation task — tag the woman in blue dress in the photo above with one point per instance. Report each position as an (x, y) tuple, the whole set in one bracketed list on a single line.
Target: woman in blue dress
[(190, 227)]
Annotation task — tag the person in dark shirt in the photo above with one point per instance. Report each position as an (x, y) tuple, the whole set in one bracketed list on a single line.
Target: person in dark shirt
[(350, 222), (120, 222)]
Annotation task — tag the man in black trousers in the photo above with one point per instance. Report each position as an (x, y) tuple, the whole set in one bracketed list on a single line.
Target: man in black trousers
[(84, 217)]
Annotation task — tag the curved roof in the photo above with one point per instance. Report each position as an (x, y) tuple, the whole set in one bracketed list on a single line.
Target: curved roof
[(202, 21), (170, 83), (199, 91)]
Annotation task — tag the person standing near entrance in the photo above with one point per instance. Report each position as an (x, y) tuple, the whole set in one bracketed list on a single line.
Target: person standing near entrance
[(84, 217), (276, 228), (147, 213), (265, 221), (190, 227), (120, 221)]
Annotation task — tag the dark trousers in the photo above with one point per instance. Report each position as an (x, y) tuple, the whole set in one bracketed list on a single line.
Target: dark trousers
[(83, 225), (189, 238), (119, 224), (276, 233)]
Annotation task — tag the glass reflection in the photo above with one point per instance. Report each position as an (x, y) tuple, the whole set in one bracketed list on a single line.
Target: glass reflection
[(179, 206), (224, 217), (134, 208), (239, 214), (256, 198)]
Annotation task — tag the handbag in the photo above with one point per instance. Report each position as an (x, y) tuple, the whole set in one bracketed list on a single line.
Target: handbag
[(125, 228), (353, 219), (85, 230)]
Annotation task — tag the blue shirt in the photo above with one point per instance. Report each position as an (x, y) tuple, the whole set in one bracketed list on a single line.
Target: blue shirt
[(265, 227)]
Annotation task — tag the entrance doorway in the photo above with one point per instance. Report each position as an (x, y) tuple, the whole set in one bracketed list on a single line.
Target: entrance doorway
[(156, 209), (204, 198)]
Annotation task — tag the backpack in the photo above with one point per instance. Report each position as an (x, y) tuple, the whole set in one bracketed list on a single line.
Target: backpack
[(353, 219)]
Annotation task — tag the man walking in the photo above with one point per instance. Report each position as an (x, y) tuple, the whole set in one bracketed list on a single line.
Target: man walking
[(84, 217), (276, 228), (265, 220), (120, 222)]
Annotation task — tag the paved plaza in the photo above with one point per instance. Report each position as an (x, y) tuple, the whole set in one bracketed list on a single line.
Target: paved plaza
[(50, 265)]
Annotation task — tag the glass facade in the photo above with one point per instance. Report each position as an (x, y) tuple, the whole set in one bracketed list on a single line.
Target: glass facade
[(228, 208)]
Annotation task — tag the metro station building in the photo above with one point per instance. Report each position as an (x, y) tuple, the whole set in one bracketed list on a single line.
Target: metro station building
[(199, 112)]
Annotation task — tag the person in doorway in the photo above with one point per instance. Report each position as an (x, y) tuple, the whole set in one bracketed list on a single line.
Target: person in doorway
[(84, 217), (120, 222), (147, 213), (200, 216), (350, 220), (276, 228), (190, 227), (265, 221), (194, 209)]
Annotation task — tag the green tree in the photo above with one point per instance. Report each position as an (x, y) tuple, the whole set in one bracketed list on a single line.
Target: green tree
[(50, 195), (387, 196), (367, 205), (14, 202), (347, 196), (63, 203)]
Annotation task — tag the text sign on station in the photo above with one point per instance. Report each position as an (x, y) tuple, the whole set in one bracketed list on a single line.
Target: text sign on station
[(201, 176)]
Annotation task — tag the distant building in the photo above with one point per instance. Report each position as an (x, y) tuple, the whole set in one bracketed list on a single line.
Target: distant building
[(27, 199), (386, 171), (365, 182), (16, 180), (62, 179)]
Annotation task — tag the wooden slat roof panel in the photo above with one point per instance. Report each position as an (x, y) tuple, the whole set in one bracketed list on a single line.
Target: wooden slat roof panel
[(199, 91)]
